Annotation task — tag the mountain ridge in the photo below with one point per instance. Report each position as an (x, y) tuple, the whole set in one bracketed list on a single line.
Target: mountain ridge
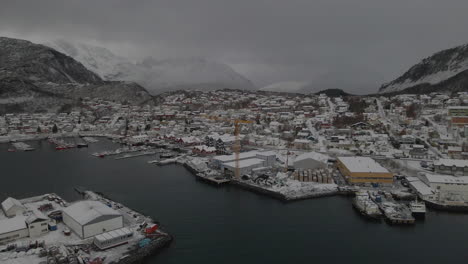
[(446, 70)]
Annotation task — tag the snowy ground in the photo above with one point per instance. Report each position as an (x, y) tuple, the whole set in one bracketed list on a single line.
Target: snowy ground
[(57, 238)]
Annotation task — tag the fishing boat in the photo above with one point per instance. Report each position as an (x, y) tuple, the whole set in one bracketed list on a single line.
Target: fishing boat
[(418, 208), (366, 207)]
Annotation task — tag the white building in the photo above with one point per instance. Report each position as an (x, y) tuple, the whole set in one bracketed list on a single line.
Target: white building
[(11, 207), (13, 229), (245, 166), (90, 218), (451, 166), (311, 160), (27, 224), (449, 187), (268, 156), (37, 223)]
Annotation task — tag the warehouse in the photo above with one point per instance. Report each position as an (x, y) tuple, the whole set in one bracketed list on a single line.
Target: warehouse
[(11, 207), (12, 229), (90, 218), (363, 170), (449, 187), (268, 156), (311, 160), (245, 166)]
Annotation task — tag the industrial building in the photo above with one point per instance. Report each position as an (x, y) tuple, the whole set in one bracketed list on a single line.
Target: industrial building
[(31, 223), (311, 160), (90, 218), (268, 156), (247, 161), (363, 170), (245, 166), (451, 167), (449, 188)]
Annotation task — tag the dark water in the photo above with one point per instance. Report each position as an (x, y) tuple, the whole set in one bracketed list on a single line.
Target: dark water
[(228, 225)]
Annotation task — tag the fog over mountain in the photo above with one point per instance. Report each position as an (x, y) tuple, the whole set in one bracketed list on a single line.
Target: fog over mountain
[(353, 45), (154, 74)]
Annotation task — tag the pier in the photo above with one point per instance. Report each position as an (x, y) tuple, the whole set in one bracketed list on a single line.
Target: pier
[(394, 212)]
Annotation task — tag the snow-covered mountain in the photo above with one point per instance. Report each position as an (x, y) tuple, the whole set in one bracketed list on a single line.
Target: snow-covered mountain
[(155, 75), (34, 77), (446, 70)]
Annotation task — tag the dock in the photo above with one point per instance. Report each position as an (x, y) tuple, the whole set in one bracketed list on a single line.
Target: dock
[(218, 180), (119, 151), (394, 212), (127, 156)]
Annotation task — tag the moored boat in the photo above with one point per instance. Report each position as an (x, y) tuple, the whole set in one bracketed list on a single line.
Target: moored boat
[(365, 206)]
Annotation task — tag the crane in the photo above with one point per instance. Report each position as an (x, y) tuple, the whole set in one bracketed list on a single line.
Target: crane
[(237, 145)]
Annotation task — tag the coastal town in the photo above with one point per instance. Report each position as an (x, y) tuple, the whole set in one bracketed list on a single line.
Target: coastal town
[(393, 155)]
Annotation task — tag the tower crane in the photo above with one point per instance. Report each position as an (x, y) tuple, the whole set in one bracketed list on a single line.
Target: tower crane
[(237, 145)]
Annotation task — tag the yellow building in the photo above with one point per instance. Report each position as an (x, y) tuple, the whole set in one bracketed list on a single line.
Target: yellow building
[(363, 170)]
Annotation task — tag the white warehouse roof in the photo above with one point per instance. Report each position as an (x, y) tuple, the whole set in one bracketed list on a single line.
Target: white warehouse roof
[(10, 203), (362, 164), (447, 179), (85, 212), (245, 163), (12, 224)]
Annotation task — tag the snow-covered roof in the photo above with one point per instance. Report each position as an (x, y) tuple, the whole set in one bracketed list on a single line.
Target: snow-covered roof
[(12, 224), (421, 187), (113, 234), (447, 179), (10, 203), (362, 164), (36, 215), (244, 163), (312, 155), (85, 212), (451, 162)]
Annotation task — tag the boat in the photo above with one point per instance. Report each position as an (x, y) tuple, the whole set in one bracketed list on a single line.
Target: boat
[(11, 150), (366, 207), (417, 208)]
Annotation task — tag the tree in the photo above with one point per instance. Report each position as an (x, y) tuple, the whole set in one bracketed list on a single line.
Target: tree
[(54, 129), (39, 129)]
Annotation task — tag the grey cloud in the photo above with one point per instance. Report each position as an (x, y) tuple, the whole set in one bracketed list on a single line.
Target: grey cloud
[(350, 44)]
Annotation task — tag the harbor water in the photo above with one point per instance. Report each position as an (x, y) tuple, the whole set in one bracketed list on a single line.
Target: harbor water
[(226, 224)]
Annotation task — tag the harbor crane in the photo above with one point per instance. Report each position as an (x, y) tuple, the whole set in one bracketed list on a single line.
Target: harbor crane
[(237, 145)]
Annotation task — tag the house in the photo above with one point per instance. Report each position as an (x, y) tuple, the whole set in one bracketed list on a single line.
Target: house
[(90, 218), (301, 144), (418, 152), (451, 166)]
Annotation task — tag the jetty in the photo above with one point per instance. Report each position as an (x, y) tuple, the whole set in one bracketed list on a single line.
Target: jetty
[(144, 153), (394, 212)]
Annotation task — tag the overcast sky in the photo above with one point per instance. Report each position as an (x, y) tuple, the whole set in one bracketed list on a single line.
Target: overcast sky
[(350, 44)]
